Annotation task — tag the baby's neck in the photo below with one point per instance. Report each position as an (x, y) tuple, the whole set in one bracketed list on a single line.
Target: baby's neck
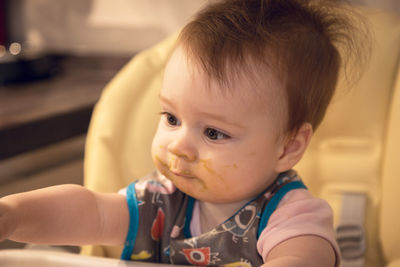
[(212, 214)]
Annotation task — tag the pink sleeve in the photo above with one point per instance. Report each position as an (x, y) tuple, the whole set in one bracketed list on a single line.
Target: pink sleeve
[(298, 214)]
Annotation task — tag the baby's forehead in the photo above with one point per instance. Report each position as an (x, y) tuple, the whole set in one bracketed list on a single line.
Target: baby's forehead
[(247, 77), (252, 84)]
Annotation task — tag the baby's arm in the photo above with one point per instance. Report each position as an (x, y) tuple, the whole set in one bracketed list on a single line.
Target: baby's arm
[(65, 214), (307, 251)]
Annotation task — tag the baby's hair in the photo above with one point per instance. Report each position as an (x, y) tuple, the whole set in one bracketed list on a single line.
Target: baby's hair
[(299, 41)]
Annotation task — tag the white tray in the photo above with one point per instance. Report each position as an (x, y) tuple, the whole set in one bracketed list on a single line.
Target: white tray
[(21, 257)]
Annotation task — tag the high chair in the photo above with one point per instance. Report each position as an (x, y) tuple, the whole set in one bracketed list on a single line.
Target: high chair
[(351, 160)]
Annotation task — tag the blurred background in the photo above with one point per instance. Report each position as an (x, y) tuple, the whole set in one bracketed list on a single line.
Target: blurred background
[(55, 58)]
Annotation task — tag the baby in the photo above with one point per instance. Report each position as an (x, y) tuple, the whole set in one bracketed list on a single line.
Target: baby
[(245, 87)]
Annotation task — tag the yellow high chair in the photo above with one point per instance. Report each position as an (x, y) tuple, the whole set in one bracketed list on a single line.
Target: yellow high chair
[(351, 161)]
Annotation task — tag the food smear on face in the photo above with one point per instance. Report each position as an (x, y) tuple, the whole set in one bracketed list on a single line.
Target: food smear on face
[(162, 162), (166, 171), (207, 166)]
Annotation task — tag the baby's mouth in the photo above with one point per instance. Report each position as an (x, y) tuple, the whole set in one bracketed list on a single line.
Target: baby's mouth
[(171, 169), (185, 174)]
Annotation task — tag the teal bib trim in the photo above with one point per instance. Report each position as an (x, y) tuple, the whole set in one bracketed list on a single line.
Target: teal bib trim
[(133, 222), (273, 203), (188, 219)]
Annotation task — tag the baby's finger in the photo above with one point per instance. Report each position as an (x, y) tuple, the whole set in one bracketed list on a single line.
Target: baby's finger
[(7, 226)]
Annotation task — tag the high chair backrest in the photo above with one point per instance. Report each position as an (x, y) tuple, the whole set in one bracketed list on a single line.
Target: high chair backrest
[(389, 228), (346, 154), (350, 155)]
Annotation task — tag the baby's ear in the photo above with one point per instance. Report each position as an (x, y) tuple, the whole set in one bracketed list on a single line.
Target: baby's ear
[(293, 148)]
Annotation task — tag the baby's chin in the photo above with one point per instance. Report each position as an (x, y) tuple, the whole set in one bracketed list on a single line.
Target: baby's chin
[(193, 187), (204, 195), (197, 188)]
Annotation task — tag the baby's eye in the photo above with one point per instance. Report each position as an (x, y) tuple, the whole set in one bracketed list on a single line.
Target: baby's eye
[(171, 119), (214, 134)]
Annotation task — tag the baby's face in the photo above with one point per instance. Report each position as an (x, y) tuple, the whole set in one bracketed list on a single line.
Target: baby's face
[(216, 146)]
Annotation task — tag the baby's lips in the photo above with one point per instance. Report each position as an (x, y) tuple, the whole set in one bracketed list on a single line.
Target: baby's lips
[(186, 174)]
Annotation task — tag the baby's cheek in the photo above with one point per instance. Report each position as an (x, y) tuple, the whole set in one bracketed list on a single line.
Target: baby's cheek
[(158, 145), (153, 146), (157, 156)]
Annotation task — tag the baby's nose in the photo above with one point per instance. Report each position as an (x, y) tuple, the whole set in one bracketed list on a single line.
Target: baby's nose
[(183, 147)]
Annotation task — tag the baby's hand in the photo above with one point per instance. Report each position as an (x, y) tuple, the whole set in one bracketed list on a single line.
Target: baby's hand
[(7, 220)]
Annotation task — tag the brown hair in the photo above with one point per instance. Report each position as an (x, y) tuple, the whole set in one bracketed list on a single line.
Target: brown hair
[(298, 40)]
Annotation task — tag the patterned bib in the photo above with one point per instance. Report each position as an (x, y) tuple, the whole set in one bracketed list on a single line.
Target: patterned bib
[(160, 225)]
